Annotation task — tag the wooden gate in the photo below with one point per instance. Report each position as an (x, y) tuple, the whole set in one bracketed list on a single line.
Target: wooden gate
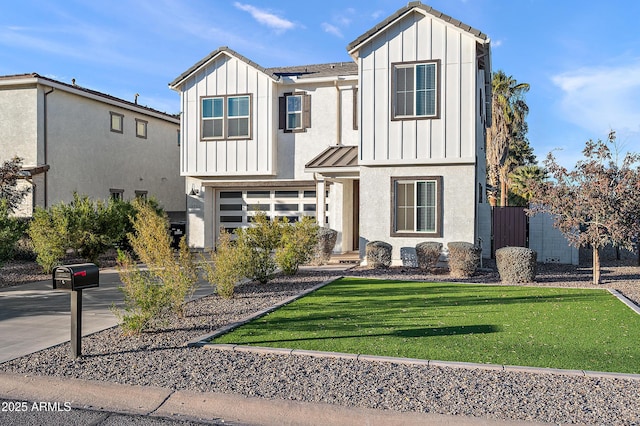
[(510, 227)]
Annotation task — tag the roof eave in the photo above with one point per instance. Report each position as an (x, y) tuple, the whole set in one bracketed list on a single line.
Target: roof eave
[(224, 50)]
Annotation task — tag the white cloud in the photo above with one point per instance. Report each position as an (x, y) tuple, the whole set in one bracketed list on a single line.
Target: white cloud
[(602, 98), (266, 18), (331, 29)]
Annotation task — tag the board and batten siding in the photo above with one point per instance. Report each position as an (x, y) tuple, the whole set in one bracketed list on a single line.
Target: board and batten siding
[(255, 156), (451, 138)]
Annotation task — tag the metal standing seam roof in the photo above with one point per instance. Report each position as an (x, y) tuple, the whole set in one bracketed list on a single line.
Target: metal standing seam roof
[(415, 5), (338, 156)]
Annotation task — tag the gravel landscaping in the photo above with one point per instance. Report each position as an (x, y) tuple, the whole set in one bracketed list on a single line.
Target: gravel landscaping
[(160, 358)]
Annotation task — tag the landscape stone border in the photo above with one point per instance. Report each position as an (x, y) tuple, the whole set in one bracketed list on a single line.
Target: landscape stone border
[(203, 342)]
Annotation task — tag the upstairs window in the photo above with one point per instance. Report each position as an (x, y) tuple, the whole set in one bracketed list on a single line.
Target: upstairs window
[(415, 209), (141, 128), (295, 112), (116, 122), (415, 93), (226, 117), (116, 194)]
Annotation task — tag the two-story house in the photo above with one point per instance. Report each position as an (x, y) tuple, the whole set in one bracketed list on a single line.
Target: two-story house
[(389, 147), (74, 139)]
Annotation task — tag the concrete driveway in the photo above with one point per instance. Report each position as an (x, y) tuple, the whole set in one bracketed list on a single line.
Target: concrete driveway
[(34, 316)]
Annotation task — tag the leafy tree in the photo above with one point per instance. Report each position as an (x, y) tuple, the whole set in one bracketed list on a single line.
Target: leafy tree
[(508, 110), (11, 230), (9, 175), (597, 203)]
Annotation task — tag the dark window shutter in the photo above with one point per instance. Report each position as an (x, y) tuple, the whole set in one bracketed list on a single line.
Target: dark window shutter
[(306, 111), (282, 112)]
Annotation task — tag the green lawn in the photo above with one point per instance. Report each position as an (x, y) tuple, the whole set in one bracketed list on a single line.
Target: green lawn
[(527, 326)]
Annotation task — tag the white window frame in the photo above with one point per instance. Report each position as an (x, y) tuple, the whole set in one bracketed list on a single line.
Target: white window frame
[(399, 93), (297, 113), (224, 117), (411, 206)]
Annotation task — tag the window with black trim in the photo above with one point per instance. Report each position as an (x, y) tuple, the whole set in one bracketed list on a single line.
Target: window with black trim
[(294, 112), (416, 206), (415, 90), (141, 128), (116, 122), (142, 194), (226, 117)]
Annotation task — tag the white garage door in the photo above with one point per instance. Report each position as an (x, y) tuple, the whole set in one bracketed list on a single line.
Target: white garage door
[(235, 208)]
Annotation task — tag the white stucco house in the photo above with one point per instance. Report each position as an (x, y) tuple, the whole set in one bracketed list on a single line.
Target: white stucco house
[(389, 147), (75, 139)]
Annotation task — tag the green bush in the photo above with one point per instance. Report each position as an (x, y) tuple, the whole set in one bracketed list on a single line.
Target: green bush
[(225, 269), (11, 230), (297, 244), (258, 242), (49, 234), (464, 259), (164, 284)]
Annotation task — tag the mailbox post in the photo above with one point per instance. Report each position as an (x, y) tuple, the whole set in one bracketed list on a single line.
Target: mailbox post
[(76, 278)]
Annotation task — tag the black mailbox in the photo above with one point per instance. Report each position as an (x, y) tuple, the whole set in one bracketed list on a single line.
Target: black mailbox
[(76, 277)]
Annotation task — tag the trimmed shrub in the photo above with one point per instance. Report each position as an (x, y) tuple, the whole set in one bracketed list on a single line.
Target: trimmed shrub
[(464, 259), (326, 242), (516, 264), (428, 253), (378, 254), (297, 244)]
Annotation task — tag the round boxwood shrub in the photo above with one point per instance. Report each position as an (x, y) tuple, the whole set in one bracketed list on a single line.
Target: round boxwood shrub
[(378, 254), (428, 253), (516, 264), (464, 259), (326, 242)]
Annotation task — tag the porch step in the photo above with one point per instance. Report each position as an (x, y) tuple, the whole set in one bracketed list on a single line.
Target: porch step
[(351, 257)]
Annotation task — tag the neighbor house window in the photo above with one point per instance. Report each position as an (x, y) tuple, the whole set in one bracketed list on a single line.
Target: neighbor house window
[(415, 90), (141, 128), (117, 122), (295, 112), (226, 117), (116, 194), (415, 209), (141, 194)]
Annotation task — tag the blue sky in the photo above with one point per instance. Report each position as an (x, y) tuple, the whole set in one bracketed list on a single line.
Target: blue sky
[(581, 57)]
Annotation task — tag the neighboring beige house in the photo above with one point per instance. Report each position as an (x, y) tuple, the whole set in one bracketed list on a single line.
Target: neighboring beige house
[(75, 139), (389, 147)]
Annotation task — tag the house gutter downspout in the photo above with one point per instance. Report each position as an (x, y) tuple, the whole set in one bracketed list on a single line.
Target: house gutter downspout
[(46, 148), (338, 114)]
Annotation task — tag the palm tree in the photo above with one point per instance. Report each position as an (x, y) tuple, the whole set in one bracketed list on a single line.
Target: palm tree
[(520, 182), (509, 111)]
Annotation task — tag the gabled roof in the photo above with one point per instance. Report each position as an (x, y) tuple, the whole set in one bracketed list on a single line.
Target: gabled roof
[(413, 6), (34, 78), (224, 50)]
